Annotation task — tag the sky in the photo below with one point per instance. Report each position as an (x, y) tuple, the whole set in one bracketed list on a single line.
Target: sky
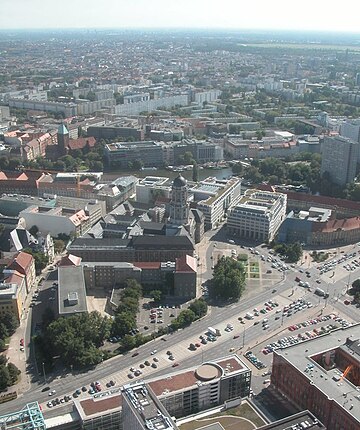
[(322, 15)]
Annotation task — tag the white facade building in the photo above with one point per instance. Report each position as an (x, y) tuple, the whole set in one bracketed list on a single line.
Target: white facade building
[(151, 187), (215, 197), (258, 215)]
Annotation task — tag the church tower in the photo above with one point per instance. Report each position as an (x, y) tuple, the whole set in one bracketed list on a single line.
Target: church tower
[(179, 205), (63, 139)]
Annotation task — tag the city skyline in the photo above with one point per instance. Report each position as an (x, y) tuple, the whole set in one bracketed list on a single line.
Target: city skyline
[(32, 14)]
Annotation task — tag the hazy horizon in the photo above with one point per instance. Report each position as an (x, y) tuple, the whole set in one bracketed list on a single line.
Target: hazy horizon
[(260, 15)]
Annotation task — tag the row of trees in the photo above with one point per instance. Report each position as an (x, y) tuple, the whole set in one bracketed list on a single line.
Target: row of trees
[(228, 281), (125, 314)]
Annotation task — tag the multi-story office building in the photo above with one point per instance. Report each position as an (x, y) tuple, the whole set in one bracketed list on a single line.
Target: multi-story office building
[(204, 387), (215, 197), (139, 248), (152, 187), (123, 154), (339, 159), (71, 291), (323, 376), (258, 215), (57, 220), (176, 394), (141, 409)]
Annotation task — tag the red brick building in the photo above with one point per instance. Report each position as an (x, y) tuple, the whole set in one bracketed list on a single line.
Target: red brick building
[(323, 376)]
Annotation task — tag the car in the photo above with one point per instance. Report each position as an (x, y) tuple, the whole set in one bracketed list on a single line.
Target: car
[(112, 383), (171, 357), (154, 365), (256, 322), (49, 405), (346, 302), (52, 392), (83, 389), (153, 352), (147, 363), (142, 365), (22, 342), (175, 365), (45, 389), (135, 354), (78, 391), (197, 345), (266, 326), (156, 359), (130, 376), (168, 353)]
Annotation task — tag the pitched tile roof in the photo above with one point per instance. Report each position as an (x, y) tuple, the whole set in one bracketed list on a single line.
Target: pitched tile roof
[(21, 262)]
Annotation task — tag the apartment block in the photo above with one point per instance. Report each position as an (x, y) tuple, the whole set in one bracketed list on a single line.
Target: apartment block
[(339, 159)]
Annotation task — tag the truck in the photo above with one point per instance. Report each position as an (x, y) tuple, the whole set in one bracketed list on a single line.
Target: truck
[(321, 293), (214, 331)]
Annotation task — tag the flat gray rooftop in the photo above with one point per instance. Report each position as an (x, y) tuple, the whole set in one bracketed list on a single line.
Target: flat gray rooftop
[(294, 422), (341, 391), (71, 280)]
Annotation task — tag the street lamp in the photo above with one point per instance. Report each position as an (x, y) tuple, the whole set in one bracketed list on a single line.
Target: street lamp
[(43, 367)]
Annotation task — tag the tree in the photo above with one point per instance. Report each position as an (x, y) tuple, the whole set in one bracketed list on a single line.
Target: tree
[(186, 317), (59, 246), (123, 323), (128, 304), (2, 345), (229, 279), (4, 332), (128, 342), (41, 260), (156, 295), (195, 172), (237, 169), (33, 230), (137, 164), (14, 373), (199, 307), (294, 252), (10, 321), (132, 288), (5, 379)]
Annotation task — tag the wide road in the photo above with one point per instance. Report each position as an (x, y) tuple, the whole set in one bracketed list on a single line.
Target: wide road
[(248, 335)]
